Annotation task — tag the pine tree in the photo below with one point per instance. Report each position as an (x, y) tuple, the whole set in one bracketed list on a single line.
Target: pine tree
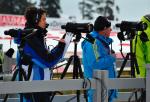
[(14, 6), (52, 6), (101, 7)]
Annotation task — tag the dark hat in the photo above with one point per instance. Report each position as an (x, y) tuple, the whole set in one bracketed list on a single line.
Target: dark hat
[(100, 23)]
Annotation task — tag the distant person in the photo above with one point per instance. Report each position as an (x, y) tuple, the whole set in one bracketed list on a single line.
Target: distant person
[(98, 55)]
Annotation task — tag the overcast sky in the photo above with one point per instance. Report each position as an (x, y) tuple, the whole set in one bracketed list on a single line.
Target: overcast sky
[(133, 9), (129, 9)]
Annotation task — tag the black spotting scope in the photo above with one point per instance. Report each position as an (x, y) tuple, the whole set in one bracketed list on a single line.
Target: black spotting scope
[(78, 27), (18, 32), (127, 26)]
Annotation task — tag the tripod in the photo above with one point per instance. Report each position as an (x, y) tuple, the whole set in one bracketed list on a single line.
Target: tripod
[(130, 56), (77, 70), (133, 61), (20, 71)]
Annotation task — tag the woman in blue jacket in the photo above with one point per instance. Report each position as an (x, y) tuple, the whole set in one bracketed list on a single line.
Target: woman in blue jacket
[(98, 55), (35, 51)]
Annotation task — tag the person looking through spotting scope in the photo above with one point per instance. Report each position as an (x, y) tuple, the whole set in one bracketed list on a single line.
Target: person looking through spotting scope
[(99, 55), (35, 51)]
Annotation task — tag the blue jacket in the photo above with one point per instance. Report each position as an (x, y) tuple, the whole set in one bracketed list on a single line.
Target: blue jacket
[(40, 56), (42, 59), (97, 56)]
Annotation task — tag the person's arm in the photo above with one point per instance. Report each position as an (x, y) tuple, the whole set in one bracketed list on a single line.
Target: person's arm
[(40, 54), (46, 55)]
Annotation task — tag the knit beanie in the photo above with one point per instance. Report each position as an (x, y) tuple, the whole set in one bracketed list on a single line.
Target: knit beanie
[(101, 23)]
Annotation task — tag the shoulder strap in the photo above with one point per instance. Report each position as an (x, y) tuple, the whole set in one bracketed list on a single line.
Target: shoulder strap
[(95, 49), (105, 45)]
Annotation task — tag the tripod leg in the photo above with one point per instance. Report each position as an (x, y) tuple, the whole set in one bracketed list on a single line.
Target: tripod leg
[(132, 66), (26, 78), (78, 95), (20, 79), (66, 68), (5, 98), (79, 71), (123, 64), (62, 76), (23, 73), (75, 74), (75, 68), (136, 64), (81, 76), (79, 68), (12, 79), (14, 75)]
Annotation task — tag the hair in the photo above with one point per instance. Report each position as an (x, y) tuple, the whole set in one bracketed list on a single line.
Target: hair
[(33, 16), (100, 23)]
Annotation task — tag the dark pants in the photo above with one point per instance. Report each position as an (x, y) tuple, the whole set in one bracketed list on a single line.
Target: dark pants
[(37, 97)]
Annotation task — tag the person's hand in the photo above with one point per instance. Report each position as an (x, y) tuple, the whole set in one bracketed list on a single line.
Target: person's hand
[(68, 37)]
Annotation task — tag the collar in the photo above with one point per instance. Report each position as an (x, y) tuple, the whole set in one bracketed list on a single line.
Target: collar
[(100, 37), (40, 31)]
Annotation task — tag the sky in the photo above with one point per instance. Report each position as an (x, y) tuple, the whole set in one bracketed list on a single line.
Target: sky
[(131, 10)]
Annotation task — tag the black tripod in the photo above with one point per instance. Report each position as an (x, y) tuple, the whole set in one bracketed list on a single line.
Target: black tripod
[(130, 56), (20, 71), (133, 61), (77, 70)]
